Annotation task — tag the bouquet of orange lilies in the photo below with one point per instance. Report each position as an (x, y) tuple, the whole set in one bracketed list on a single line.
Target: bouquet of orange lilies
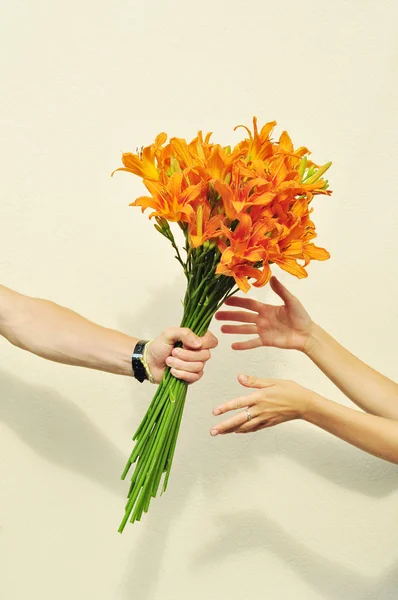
[(241, 209)]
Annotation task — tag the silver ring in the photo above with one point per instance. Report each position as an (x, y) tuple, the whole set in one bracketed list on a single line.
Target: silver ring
[(248, 415)]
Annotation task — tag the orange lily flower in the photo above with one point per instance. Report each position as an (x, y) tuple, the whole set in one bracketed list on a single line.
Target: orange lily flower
[(248, 246), (218, 163), (199, 147), (212, 162), (252, 201), (241, 272), (239, 195), (180, 150), (245, 242), (205, 228), (143, 164), (170, 200), (293, 157), (258, 146), (288, 264), (298, 245), (305, 231)]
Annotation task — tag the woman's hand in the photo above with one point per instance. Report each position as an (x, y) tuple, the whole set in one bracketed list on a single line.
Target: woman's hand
[(288, 326), (276, 401), (185, 363)]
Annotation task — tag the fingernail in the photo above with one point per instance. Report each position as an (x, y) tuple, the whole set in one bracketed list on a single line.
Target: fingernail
[(214, 432), (176, 352), (169, 361), (243, 378), (216, 411), (197, 343)]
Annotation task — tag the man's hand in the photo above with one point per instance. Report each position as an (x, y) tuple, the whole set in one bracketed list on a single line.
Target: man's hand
[(185, 363)]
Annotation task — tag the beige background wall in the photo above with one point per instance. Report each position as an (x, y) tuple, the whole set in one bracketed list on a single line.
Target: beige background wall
[(286, 514)]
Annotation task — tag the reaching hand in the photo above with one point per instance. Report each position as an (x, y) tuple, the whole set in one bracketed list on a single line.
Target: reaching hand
[(185, 363), (276, 401), (287, 326)]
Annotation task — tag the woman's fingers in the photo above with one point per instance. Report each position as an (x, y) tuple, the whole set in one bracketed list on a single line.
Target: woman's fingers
[(247, 344), (250, 426), (256, 425), (244, 302), (235, 404), (240, 329), (235, 422), (251, 381), (230, 424), (282, 292), (236, 315)]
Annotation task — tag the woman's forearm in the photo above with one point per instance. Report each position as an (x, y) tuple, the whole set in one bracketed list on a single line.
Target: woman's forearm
[(369, 389), (373, 434), (61, 335)]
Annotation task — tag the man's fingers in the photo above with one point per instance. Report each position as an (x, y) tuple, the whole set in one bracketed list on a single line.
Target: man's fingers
[(171, 335), (181, 365), (191, 355), (209, 341), (236, 315), (185, 376)]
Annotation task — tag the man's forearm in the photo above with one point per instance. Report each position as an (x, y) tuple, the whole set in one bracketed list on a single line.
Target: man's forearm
[(61, 335), (373, 434), (370, 390)]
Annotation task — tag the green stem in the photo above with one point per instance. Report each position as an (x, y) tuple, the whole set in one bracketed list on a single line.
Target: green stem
[(156, 437)]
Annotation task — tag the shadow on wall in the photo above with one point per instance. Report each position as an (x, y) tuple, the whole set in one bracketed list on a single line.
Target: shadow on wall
[(59, 431), (200, 462), (243, 532)]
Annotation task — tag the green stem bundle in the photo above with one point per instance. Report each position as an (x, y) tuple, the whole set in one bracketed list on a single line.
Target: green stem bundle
[(156, 437)]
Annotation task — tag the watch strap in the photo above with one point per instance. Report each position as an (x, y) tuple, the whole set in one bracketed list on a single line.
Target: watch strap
[(138, 367)]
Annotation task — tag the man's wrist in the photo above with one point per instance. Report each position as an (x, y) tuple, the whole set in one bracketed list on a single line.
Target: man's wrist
[(145, 362)]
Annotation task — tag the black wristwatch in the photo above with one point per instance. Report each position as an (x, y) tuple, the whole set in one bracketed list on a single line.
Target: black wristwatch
[(139, 370)]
